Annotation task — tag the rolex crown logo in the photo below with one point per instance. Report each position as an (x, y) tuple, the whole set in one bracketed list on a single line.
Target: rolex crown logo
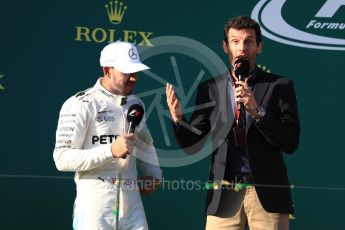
[(115, 10)]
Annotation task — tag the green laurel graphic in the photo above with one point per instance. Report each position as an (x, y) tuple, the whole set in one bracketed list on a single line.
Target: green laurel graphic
[(264, 68), (1, 87)]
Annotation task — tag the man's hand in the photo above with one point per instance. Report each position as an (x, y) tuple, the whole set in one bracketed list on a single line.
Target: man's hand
[(148, 184), (244, 94), (173, 103), (123, 145)]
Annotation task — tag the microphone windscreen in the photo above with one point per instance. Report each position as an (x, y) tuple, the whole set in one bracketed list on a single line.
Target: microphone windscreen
[(241, 67), (135, 114)]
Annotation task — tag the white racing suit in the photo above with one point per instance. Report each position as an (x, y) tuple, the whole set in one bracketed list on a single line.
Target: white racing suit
[(88, 123)]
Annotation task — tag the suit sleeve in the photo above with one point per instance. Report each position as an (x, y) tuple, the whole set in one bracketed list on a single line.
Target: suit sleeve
[(282, 130), (147, 155), (192, 135), (69, 154)]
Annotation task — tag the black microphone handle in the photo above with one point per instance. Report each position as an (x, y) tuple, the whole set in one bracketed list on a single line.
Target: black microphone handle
[(240, 104)]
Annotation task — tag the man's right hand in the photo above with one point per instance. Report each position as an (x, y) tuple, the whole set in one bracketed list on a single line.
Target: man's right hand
[(173, 103), (123, 145)]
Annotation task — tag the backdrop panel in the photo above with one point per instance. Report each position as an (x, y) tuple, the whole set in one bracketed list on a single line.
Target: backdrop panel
[(50, 51)]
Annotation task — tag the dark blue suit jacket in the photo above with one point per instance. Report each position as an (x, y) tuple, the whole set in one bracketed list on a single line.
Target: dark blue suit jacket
[(266, 139)]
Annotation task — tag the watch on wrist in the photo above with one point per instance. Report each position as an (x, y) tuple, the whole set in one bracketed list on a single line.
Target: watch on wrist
[(259, 112)]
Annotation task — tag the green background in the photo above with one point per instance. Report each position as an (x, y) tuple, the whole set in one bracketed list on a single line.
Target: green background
[(43, 65)]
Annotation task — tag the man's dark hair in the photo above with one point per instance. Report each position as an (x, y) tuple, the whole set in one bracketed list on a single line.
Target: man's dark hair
[(242, 22)]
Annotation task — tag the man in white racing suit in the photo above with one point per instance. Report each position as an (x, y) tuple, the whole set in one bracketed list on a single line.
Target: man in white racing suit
[(92, 140)]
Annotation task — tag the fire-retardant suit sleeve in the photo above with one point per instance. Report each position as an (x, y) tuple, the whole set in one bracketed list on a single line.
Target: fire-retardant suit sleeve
[(72, 127), (148, 161)]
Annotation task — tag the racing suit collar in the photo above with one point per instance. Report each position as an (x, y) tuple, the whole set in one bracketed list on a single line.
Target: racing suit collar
[(118, 99)]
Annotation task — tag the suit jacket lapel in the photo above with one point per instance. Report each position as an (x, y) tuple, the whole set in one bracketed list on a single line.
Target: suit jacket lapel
[(224, 99)]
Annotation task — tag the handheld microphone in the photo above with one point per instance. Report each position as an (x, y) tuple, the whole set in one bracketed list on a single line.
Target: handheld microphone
[(241, 70), (134, 116)]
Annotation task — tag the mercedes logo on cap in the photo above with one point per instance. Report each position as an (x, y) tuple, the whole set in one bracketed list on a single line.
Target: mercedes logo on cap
[(132, 54)]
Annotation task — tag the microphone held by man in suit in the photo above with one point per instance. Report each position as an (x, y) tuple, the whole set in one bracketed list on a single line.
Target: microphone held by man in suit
[(241, 69)]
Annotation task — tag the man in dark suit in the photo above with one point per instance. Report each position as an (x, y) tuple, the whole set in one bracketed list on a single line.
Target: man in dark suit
[(248, 174)]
